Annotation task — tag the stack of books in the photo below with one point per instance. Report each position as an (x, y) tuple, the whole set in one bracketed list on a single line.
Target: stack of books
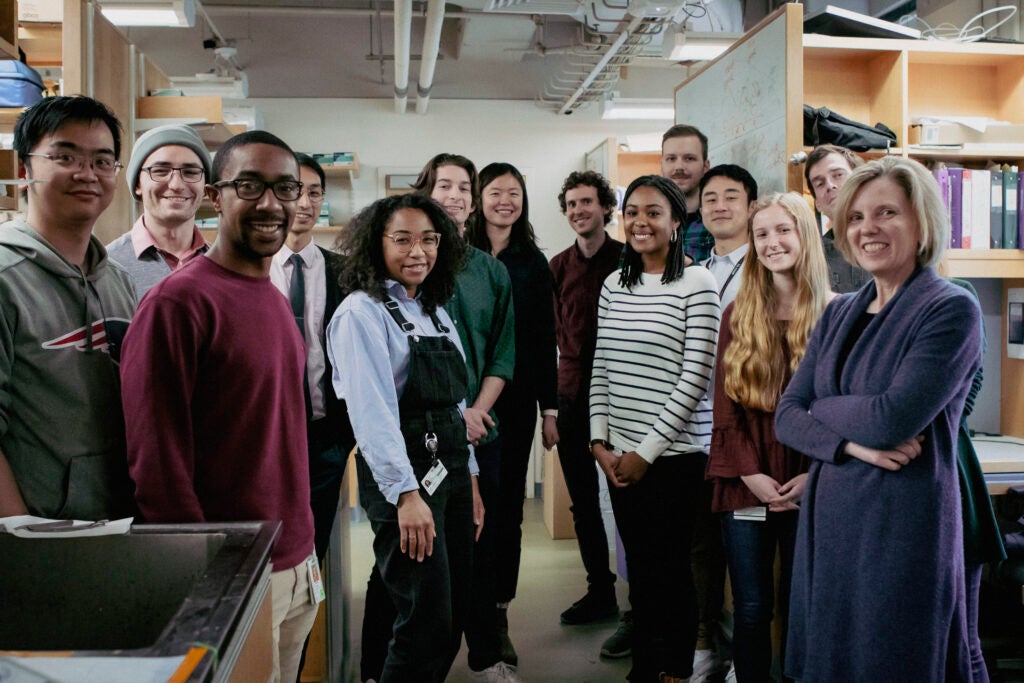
[(986, 208)]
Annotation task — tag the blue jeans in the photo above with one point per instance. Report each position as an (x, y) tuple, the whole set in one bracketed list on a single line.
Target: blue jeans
[(750, 549)]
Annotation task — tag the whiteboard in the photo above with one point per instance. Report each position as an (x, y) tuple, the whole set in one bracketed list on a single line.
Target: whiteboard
[(739, 102)]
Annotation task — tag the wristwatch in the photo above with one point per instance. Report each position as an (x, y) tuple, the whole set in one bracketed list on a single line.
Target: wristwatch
[(603, 442)]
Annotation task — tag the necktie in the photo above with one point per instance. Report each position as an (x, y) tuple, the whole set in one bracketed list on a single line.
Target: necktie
[(297, 293), (297, 298)]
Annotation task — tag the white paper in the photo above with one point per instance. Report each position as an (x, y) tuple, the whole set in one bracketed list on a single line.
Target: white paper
[(112, 528)]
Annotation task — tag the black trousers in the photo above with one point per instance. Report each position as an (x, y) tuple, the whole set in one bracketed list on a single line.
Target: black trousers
[(655, 519), (517, 418), (581, 478), (481, 628), (430, 597), (327, 460)]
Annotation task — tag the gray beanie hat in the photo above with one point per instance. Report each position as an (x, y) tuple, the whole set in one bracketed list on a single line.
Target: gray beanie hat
[(161, 136)]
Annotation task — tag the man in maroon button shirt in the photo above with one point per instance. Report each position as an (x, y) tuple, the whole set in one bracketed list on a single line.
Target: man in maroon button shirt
[(588, 204)]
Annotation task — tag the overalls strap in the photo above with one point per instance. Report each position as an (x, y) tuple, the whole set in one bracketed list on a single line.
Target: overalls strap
[(396, 314)]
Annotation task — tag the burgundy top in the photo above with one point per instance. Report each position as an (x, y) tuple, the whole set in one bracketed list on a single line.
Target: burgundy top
[(743, 440), (211, 377), (578, 281)]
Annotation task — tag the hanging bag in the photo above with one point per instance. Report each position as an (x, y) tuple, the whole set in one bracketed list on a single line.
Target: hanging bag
[(824, 126)]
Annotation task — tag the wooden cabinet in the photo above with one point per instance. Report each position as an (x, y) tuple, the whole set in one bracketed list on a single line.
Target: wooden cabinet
[(8, 29), (8, 50)]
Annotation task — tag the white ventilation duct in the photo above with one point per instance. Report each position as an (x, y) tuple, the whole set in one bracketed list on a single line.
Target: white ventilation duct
[(431, 47), (403, 40)]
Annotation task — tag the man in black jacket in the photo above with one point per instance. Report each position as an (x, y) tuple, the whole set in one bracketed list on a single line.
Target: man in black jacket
[(312, 290)]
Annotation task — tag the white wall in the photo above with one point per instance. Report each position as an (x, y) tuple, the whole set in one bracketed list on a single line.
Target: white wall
[(545, 147)]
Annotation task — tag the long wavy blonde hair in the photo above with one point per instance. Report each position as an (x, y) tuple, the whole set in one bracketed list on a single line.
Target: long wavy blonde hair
[(755, 365)]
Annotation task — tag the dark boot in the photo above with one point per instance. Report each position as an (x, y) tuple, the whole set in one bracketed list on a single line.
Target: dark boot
[(508, 653)]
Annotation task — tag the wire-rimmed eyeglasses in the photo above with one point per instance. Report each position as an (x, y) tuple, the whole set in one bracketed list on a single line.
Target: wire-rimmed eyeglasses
[(102, 164), (404, 242)]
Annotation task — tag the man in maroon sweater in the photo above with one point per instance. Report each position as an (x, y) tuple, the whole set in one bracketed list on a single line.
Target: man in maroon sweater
[(588, 204), (212, 384)]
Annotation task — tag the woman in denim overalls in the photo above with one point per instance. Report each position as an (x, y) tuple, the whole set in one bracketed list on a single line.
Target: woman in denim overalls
[(399, 366)]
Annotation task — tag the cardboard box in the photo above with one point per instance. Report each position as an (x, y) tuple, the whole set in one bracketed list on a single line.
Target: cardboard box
[(48, 11), (557, 504), (957, 134)]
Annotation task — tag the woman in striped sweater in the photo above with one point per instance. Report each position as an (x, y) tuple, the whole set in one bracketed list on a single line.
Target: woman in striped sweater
[(650, 419)]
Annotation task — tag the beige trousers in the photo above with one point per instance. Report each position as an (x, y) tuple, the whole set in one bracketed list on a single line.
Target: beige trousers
[(293, 617)]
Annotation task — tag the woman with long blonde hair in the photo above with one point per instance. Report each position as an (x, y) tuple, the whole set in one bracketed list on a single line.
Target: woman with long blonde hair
[(758, 480)]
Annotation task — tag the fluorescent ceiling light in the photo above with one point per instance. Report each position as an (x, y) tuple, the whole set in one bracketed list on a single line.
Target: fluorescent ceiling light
[(150, 12), (638, 109), (680, 45)]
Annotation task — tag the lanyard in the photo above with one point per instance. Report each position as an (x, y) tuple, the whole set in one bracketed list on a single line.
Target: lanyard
[(732, 274)]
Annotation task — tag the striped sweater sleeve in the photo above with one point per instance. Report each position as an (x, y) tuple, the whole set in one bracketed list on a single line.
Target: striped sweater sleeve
[(599, 373)]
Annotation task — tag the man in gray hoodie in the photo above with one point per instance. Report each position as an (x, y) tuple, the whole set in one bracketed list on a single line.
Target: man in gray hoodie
[(64, 309)]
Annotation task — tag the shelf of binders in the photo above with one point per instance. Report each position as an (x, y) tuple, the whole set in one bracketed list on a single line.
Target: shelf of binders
[(985, 263), (985, 209)]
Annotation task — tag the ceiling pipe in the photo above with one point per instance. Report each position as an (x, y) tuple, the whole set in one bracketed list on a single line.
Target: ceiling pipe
[(431, 48), (403, 48), (596, 71), (257, 10)]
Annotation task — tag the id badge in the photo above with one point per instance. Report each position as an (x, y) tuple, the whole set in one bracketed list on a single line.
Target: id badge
[(434, 476), (757, 513), (316, 581)]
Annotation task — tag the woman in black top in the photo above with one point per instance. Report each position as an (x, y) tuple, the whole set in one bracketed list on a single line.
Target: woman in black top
[(501, 227)]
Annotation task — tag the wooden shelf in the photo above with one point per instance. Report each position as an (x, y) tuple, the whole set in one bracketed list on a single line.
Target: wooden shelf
[(42, 44), (349, 170), (7, 50), (8, 117), (205, 114), (985, 263)]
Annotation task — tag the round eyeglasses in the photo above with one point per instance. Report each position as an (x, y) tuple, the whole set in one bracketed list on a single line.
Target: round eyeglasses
[(251, 188), (160, 174), (404, 242)]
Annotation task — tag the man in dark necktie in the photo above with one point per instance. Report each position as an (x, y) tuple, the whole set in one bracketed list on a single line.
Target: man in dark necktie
[(308, 276)]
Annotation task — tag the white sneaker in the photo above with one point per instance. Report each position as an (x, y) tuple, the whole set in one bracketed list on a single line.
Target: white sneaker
[(705, 664), (499, 673)]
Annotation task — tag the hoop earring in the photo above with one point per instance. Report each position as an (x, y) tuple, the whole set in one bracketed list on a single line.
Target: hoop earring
[(674, 237)]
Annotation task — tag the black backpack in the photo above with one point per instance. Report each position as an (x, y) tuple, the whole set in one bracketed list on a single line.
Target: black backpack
[(824, 126)]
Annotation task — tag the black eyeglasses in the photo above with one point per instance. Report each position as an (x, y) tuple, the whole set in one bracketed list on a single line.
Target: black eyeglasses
[(159, 174), (251, 188), (102, 165)]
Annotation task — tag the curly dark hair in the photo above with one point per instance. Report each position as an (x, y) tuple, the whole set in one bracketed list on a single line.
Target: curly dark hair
[(632, 263), (362, 244), (605, 194), (522, 231)]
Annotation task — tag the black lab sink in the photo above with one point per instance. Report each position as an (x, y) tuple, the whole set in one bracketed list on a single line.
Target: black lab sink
[(155, 591)]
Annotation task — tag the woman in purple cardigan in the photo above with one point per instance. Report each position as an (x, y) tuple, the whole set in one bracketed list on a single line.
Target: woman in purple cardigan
[(878, 577)]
